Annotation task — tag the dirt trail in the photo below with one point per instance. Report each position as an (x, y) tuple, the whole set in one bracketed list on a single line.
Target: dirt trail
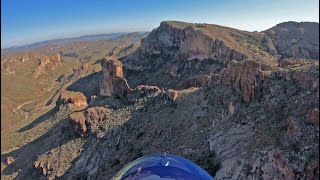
[(18, 109)]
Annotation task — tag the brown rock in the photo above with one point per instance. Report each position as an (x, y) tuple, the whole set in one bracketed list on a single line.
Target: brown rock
[(242, 76), (113, 81), (312, 116), (55, 58), (46, 63), (77, 122), (72, 100), (89, 120), (188, 42), (96, 115)]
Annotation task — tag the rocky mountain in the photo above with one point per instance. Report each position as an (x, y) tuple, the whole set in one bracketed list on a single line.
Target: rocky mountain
[(229, 100), (293, 39), (31, 81)]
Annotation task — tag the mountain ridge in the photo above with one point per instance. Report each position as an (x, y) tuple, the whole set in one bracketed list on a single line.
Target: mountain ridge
[(226, 99)]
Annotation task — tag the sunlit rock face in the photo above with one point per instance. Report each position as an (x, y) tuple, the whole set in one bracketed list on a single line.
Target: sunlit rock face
[(113, 82)]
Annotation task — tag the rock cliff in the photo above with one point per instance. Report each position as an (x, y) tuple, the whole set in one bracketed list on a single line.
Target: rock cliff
[(185, 41), (113, 81)]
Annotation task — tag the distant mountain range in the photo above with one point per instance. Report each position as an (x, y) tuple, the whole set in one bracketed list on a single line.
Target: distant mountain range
[(63, 40)]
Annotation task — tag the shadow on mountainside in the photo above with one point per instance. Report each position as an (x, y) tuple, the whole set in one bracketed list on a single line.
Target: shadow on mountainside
[(38, 120), (157, 127), (153, 126), (27, 154), (88, 85), (53, 139)]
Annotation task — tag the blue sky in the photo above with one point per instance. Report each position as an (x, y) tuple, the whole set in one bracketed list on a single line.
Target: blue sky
[(28, 21)]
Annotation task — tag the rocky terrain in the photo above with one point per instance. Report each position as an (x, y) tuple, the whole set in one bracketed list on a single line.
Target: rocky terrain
[(242, 105), (292, 39)]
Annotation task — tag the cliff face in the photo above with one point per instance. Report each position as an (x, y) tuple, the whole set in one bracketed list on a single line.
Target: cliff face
[(113, 81), (177, 51), (243, 77), (187, 43), (299, 40)]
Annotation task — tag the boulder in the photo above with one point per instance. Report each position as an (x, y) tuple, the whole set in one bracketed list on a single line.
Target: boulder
[(72, 100), (88, 121)]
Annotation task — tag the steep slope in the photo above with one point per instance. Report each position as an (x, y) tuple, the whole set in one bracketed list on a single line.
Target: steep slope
[(178, 51), (31, 83), (237, 110), (293, 39), (273, 136)]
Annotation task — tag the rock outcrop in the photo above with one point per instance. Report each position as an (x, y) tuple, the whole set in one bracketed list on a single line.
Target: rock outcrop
[(77, 123), (46, 63), (180, 41), (267, 165), (95, 116), (72, 100), (242, 77), (113, 82), (184, 41), (88, 121)]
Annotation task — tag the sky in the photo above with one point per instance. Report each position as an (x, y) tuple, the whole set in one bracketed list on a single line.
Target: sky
[(28, 21)]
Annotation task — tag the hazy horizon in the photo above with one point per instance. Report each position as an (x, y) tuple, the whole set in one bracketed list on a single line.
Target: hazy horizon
[(34, 21)]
